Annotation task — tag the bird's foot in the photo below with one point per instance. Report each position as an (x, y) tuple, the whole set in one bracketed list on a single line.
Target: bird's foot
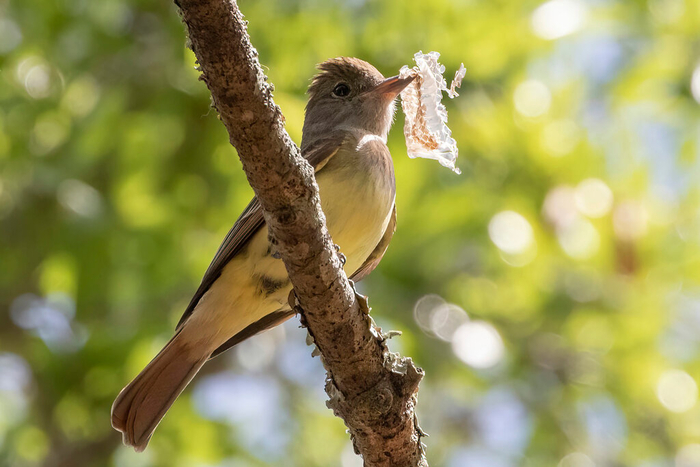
[(293, 301), (272, 247), (362, 300), (363, 303)]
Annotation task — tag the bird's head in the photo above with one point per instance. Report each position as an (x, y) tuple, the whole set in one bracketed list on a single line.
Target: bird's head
[(349, 94)]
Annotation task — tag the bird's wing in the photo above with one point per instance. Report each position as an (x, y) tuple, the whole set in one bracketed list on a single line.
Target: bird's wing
[(280, 316), (376, 256), (251, 220)]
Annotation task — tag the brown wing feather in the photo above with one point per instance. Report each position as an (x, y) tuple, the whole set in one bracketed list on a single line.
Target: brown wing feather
[(376, 256), (250, 221), (245, 227)]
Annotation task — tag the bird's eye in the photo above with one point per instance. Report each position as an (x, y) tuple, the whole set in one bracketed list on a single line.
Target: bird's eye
[(341, 90)]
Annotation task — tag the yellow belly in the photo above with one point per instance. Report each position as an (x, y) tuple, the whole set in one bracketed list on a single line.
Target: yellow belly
[(356, 217), (254, 284)]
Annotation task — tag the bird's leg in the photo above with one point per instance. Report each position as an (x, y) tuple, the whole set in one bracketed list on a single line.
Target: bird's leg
[(341, 257)]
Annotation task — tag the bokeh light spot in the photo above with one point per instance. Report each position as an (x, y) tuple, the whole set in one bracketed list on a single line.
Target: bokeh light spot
[(424, 308), (559, 18), (51, 319), (438, 318), (37, 81), (511, 232), (50, 131), (16, 374), (32, 444), (560, 206), (695, 84), (81, 96), (594, 198), (580, 240), (478, 344), (79, 198), (10, 35), (532, 98), (677, 391), (688, 456), (445, 319)]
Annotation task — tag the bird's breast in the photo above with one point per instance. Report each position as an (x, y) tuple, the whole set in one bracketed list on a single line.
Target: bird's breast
[(357, 193)]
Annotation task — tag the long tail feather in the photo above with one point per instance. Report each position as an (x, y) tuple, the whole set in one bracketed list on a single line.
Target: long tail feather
[(142, 404)]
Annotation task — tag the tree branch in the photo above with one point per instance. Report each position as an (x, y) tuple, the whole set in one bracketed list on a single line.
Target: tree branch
[(373, 390)]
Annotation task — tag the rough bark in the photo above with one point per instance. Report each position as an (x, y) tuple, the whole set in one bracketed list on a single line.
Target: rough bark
[(373, 390)]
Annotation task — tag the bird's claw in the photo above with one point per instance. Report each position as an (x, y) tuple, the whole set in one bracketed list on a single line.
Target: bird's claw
[(341, 256), (272, 247), (419, 430), (294, 301), (362, 300)]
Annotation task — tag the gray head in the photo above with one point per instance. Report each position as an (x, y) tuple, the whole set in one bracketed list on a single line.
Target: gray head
[(349, 94)]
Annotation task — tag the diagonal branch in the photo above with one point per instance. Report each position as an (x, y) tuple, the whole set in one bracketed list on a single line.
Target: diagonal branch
[(373, 390)]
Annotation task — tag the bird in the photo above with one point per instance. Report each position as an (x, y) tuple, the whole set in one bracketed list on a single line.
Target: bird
[(244, 291)]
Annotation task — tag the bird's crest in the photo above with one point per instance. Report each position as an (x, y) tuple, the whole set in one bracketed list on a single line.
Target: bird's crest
[(345, 69)]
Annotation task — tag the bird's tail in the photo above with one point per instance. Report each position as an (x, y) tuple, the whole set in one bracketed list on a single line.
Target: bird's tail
[(142, 404)]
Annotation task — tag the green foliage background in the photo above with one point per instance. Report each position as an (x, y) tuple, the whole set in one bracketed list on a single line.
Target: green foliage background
[(117, 184)]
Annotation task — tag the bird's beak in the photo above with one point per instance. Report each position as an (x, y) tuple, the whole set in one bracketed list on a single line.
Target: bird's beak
[(391, 87)]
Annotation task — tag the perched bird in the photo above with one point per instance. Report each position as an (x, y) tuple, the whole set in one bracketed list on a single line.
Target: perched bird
[(244, 291)]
